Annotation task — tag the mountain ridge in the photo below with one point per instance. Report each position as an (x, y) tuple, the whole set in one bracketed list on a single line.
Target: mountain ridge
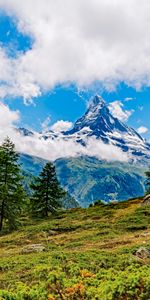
[(89, 178), (99, 123)]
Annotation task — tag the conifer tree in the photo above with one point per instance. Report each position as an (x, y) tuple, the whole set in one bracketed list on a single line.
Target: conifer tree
[(46, 192), (11, 190)]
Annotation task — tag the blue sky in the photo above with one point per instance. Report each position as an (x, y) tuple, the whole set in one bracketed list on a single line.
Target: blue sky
[(68, 105), (10, 38), (61, 101)]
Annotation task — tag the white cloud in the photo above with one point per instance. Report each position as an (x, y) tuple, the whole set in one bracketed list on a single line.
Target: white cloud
[(52, 149), (142, 130), (61, 126), (116, 109), (15, 81), (46, 124), (79, 41), (129, 99), (8, 118)]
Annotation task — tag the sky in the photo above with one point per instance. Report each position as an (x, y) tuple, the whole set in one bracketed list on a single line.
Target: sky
[(56, 55)]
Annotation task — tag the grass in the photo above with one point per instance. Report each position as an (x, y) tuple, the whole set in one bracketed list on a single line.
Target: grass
[(89, 254)]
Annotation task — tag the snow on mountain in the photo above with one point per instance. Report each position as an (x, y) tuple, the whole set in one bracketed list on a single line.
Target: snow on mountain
[(99, 123)]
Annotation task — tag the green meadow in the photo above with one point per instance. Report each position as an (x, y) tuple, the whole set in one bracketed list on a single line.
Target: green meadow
[(88, 254)]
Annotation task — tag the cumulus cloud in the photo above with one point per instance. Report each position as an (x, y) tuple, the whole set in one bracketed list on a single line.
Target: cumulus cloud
[(61, 126), (53, 148), (117, 110), (8, 118), (142, 130), (77, 41)]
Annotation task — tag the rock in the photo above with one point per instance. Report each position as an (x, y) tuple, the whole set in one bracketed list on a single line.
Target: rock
[(145, 233), (33, 248), (146, 200), (51, 232), (142, 253)]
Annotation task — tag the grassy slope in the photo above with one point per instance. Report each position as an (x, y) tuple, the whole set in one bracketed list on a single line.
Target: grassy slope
[(89, 255)]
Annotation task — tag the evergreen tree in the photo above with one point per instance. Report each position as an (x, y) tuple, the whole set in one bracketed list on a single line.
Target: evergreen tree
[(11, 190), (148, 180), (46, 192)]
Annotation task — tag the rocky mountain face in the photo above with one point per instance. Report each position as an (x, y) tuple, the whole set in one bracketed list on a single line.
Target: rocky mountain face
[(88, 178), (98, 122)]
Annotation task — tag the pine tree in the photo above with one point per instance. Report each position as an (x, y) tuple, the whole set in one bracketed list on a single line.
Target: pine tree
[(148, 181), (11, 190), (46, 192)]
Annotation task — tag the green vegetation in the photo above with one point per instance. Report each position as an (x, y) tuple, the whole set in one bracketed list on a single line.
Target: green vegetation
[(89, 254), (88, 179), (14, 202), (74, 254), (11, 191), (46, 192)]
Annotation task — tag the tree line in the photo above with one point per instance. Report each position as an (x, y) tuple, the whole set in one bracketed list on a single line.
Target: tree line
[(46, 191)]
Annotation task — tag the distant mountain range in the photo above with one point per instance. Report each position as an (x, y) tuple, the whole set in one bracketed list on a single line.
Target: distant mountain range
[(88, 178)]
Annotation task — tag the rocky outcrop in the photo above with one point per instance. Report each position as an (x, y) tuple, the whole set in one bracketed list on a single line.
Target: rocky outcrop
[(142, 253), (33, 248), (146, 200)]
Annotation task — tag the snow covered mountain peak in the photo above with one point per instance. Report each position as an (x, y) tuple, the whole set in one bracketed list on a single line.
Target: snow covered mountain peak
[(98, 123), (99, 119), (97, 100), (96, 108)]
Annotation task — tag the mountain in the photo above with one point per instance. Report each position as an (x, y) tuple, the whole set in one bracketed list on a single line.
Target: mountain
[(89, 178), (99, 123), (32, 166)]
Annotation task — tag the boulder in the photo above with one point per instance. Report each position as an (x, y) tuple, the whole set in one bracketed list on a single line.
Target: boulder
[(142, 253), (33, 248), (146, 200), (145, 234), (51, 232)]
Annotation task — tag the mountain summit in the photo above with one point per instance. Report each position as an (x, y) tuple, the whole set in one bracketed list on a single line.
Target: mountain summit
[(96, 117), (99, 123), (89, 177), (100, 120)]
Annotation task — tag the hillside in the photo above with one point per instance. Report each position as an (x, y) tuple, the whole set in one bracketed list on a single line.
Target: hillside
[(88, 179), (89, 254), (96, 170)]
